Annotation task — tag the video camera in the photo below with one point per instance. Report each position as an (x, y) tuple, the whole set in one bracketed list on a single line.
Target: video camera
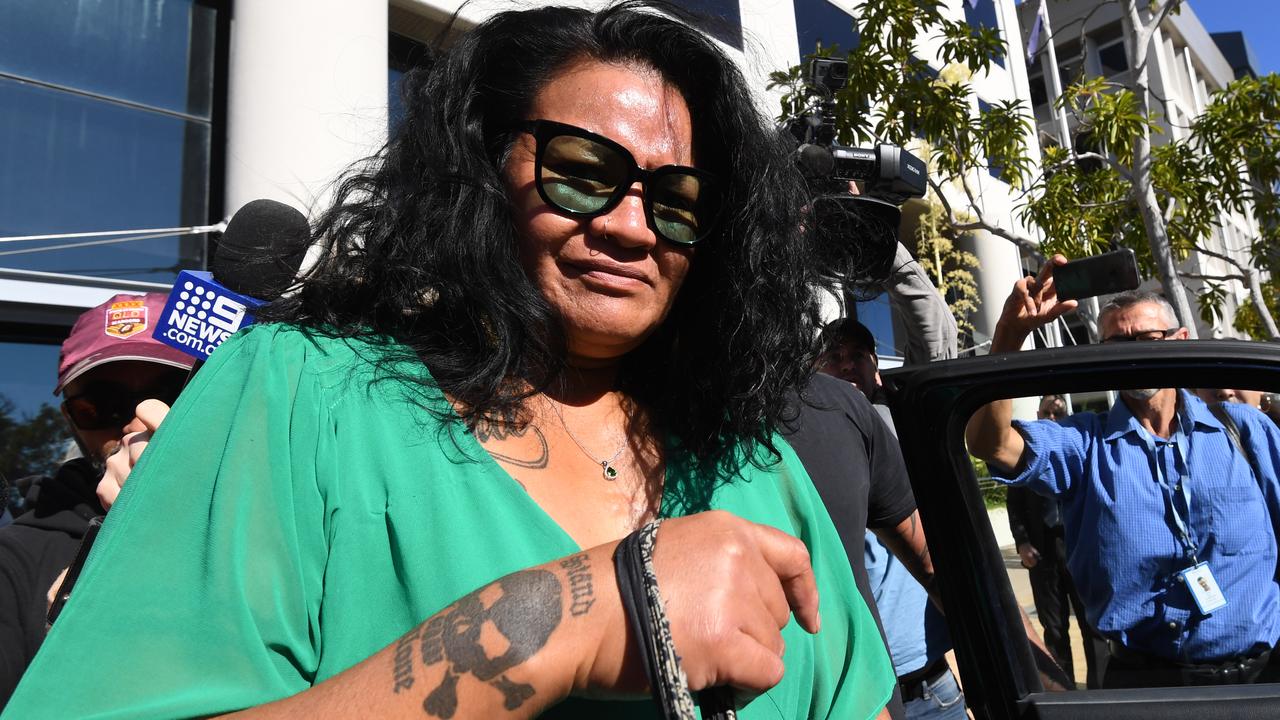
[(857, 235), (889, 172)]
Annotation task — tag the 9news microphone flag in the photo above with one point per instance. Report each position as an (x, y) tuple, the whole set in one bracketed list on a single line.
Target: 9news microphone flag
[(200, 314), (255, 261)]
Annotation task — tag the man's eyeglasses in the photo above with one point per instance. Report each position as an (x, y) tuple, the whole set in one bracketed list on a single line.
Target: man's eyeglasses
[(1142, 335), (105, 405), (582, 174)]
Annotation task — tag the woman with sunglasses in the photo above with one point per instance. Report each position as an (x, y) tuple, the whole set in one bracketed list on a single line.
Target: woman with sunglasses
[(566, 299)]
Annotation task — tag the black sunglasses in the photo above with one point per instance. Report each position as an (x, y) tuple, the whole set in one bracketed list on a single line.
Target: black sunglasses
[(1143, 335), (582, 174), (105, 405)]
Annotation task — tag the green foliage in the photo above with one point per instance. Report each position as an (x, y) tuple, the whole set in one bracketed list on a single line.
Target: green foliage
[(910, 99), (1230, 162), (1239, 138), (1212, 297), (995, 495), (1247, 319), (895, 97), (32, 445)]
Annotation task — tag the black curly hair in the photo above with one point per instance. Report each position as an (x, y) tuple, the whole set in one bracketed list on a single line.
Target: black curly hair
[(421, 250)]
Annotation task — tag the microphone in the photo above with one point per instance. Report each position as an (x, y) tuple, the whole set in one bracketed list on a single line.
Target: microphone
[(254, 263)]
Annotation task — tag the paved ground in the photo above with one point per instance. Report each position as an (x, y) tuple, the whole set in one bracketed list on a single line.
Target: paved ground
[(1021, 583)]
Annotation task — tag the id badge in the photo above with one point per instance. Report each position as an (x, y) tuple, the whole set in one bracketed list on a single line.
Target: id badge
[(1204, 588)]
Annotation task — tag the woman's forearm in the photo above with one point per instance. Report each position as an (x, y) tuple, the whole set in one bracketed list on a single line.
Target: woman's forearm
[(513, 648)]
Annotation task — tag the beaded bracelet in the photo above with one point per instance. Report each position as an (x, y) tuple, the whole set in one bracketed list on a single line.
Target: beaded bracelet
[(638, 587)]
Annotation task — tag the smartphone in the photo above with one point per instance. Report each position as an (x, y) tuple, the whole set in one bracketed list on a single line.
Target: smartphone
[(1103, 274)]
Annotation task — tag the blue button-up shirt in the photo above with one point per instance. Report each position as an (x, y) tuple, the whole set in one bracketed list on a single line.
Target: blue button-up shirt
[(1122, 546)]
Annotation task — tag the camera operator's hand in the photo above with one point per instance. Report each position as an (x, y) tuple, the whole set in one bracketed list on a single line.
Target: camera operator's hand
[(1032, 304), (148, 416)]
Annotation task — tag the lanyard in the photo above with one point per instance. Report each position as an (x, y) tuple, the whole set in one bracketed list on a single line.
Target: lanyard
[(1179, 443)]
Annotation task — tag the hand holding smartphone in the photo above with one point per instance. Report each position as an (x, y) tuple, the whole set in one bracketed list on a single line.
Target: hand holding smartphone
[(1103, 274)]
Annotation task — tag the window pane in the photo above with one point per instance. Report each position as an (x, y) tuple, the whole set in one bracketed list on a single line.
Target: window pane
[(877, 315), (30, 372), (1039, 96), (818, 22), (1113, 59), (395, 105), (33, 435), (158, 52), (994, 170), (73, 164), (402, 54)]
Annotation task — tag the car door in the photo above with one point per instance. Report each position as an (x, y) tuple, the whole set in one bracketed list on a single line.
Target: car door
[(931, 405)]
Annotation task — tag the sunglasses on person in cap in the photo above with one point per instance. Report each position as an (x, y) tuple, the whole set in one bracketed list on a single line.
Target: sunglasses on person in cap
[(582, 174), (104, 404)]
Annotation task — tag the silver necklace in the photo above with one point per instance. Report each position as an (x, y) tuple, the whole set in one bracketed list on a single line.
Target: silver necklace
[(606, 466)]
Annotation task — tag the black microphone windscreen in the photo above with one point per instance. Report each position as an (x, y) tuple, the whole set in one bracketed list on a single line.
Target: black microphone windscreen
[(261, 250)]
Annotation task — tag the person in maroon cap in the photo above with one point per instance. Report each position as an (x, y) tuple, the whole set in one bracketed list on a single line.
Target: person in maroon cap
[(116, 382)]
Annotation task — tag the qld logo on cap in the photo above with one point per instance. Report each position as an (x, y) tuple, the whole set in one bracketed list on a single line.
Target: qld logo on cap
[(200, 314), (125, 319)]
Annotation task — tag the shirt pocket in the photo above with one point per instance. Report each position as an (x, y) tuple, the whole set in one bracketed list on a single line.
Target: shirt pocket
[(1237, 517)]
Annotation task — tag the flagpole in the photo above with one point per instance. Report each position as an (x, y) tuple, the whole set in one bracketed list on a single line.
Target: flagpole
[(1052, 74)]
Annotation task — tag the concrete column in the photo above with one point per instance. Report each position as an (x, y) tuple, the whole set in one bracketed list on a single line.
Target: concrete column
[(307, 96), (1001, 268)]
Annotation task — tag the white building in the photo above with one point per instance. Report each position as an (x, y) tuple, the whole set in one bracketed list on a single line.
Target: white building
[(1186, 66), (122, 115)]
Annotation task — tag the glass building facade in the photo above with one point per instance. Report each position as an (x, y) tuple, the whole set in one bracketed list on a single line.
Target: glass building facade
[(110, 119), (106, 123)]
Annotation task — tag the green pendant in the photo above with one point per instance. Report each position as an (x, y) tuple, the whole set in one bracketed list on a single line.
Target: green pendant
[(610, 473)]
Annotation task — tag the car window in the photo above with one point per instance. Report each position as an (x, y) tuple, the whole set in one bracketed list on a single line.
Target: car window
[(1128, 566), (1137, 528)]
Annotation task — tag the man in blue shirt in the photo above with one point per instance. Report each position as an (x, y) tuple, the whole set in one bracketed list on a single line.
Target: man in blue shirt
[(1170, 531), (917, 636)]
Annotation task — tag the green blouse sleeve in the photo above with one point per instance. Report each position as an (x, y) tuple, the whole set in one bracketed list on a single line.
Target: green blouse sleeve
[(202, 594)]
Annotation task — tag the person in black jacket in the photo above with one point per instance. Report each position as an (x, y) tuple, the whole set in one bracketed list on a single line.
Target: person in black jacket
[(108, 366)]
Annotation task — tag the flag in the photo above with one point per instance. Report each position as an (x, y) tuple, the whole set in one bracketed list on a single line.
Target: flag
[(1033, 39)]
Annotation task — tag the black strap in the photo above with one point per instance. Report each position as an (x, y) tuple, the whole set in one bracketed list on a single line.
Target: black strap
[(635, 588), (627, 566), (73, 572)]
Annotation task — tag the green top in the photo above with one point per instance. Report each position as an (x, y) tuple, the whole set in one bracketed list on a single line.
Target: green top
[(293, 517)]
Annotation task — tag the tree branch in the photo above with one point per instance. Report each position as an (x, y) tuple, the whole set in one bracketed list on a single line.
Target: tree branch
[(1224, 258), (1149, 29), (1202, 276), (982, 223), (1115, 164), (1109, 203)]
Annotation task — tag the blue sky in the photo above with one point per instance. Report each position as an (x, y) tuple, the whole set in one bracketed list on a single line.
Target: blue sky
[(1258, 19)]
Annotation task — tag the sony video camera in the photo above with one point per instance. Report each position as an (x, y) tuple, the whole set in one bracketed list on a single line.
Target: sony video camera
[(856, 235)]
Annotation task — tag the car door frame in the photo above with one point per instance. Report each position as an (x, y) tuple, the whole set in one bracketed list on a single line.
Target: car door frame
[(931, 404)]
